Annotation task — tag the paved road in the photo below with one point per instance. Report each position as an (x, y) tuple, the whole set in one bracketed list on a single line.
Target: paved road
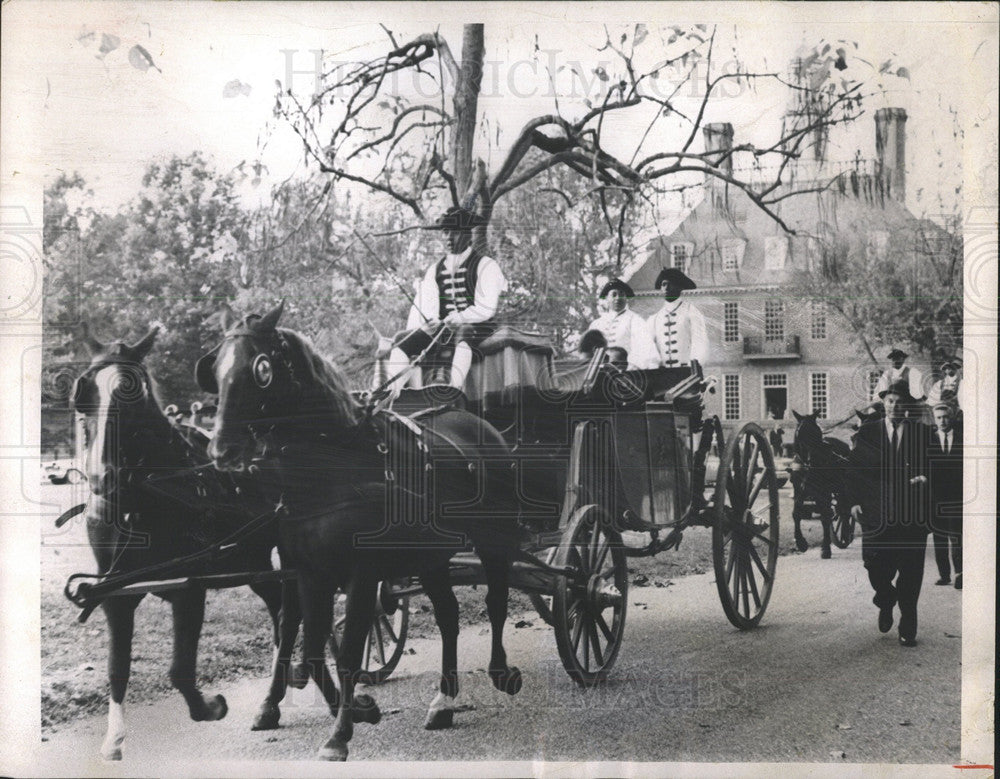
[(816, 682)]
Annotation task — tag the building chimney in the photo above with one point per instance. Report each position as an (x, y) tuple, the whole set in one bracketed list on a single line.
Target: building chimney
[(890, 150), (719, 137)]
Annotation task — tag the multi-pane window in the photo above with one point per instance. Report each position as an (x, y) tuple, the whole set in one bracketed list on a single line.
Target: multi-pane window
[(774, 320), (775, 380), (818, 323), (680, 254), (818, 394), (730, 321), (731, 396), (732, 254)]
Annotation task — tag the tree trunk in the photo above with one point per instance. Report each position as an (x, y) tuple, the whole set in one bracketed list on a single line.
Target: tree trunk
[(466, 105)]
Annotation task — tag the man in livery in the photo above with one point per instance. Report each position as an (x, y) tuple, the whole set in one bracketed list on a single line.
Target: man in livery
[(624, 328), (460, 292), (899, 372), (678, 328)]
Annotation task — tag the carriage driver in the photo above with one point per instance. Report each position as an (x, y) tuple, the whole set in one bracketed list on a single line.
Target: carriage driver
[(461, 291)]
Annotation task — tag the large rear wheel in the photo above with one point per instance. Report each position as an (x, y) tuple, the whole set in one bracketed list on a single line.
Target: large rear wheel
[(588, 608), (745, 531), (842, 529)]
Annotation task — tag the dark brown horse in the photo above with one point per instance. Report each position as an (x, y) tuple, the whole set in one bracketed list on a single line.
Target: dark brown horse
[(364, 497), (156, 499), (817, 477)]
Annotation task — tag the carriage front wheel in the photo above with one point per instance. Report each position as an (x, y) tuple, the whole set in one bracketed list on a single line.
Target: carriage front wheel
[(842, 528), (588, 608), (745, 528), (385, 642)]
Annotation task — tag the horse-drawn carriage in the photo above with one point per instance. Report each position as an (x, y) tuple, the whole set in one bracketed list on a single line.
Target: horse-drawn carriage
[(561, 475)]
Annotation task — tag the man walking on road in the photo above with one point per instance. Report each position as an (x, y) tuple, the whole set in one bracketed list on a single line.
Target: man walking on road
[(888, 491), (944, 460)]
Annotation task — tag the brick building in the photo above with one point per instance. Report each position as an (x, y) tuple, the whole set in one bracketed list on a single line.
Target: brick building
[(772, 350)]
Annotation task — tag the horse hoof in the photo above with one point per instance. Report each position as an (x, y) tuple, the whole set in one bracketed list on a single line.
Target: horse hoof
[(217, 708), (267, 718), (113, 753), (333, 750), (507, 680), (298, 676), (439, 719), (366, 710), (801, 544), (826, 554)]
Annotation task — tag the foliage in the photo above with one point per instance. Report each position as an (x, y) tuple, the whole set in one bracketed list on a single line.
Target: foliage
[(909, 292), (171, 256)]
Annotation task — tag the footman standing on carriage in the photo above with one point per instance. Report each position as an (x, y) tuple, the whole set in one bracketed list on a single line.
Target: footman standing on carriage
[(898, 371), (678, 331), (624, 328), (460, 292), (889, 494)]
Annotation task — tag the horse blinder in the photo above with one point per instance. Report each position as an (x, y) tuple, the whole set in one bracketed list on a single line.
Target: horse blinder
[(204, 373)]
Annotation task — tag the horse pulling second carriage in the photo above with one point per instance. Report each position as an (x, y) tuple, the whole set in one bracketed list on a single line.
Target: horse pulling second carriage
[(544, 481)]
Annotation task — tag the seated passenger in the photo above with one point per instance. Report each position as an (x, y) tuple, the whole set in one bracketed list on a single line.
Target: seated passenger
[(625, 328), (590, 342), (618, 358)]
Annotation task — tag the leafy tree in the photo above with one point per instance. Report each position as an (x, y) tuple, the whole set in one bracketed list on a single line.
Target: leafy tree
[(170, 257)]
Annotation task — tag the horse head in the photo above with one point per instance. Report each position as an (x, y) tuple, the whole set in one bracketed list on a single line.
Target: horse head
[(115, 396), (266, 377), (807, 436)]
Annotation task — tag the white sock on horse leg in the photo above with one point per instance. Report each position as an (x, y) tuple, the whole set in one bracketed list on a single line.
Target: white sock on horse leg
[(460, 364), (442, 702)]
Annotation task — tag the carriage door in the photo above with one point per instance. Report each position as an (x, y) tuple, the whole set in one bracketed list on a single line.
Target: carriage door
[(668, 436)]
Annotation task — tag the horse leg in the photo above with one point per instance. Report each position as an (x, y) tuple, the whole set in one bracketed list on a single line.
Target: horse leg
[(437, 587), (497, 569), (189, 615), (827, 519), (360, 612), (800, 540), (120, 614), (316, 603), (283, 606)]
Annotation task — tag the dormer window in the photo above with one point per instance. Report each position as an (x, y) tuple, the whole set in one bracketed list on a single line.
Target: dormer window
[(732, 254), (775, 252), (680, 255)]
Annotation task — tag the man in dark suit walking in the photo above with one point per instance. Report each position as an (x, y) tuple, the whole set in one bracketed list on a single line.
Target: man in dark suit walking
[(888, 493), (944, 460)]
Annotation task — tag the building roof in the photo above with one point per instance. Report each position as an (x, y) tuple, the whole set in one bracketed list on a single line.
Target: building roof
[(855, 207)]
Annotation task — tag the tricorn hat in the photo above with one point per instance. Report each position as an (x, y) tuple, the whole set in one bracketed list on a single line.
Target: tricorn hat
[(619, 285), (897, 353), (952, 363), (675, 276), (457, 218), (901, 388)]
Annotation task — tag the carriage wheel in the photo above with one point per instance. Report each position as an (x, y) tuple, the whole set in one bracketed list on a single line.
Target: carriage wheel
[(589, 609), (745, 532), (842, 528), (385, 641)]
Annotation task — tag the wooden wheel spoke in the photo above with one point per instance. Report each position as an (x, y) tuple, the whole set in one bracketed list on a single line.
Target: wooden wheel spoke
[(577, 620), (755, 489), (752, 580), (732, 490), (587, 627), (368, 652), (595, 642), (750, 454), (603, 625), (730, 563), (602, 554), (763, 538), (595, 539), (389, 629), (745, 575), (379, 642)]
